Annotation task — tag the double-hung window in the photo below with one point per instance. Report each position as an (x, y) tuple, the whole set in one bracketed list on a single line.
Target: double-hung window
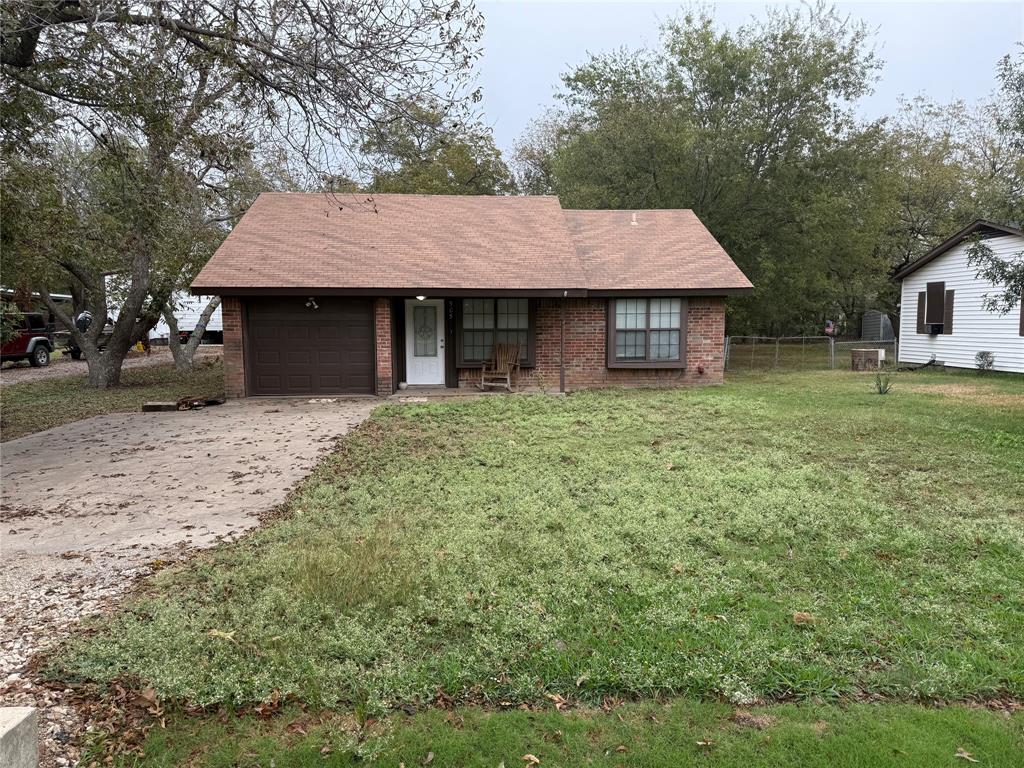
[(647, 333), (482, 323)]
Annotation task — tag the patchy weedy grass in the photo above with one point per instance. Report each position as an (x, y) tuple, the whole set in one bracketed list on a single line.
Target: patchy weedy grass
[(33, 406), (781, 536), (682, 733)]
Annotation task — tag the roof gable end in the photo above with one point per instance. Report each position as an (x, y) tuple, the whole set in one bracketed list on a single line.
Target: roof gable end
[(980, 226)]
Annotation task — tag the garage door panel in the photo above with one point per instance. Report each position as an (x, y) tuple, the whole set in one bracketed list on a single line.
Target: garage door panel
[(295, 350), (264, 332), (358, 333)]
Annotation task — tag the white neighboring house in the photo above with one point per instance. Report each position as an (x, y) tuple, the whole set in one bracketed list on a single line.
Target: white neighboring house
[(941, 311), (189, 308)]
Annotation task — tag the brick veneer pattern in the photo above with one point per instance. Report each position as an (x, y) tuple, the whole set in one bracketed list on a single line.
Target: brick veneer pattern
[(586, 354), (234, 349), (382, 333), (585, 350)]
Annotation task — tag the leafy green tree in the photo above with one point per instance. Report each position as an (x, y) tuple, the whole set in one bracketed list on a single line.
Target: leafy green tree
[(423, 153), (167, 100), (754, 130), (1007, 173), (10, 322), (1005, 274)]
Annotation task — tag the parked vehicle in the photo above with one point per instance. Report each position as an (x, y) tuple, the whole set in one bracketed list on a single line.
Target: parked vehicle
[(34, 341)]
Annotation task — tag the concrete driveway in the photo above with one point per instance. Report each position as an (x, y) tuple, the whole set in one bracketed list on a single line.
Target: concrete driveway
[(86, 508), (150, 481)]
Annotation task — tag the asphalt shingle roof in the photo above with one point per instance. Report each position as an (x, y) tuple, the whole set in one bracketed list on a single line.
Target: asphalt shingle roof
[(438, 242), (650, 250)]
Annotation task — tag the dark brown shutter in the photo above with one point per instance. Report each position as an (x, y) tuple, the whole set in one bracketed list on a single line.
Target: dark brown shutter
[(936, 298), (947, 313), (921, 328)]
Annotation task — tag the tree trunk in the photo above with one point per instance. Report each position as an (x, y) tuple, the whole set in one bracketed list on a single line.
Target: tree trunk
[(184, 354), (104, 369)]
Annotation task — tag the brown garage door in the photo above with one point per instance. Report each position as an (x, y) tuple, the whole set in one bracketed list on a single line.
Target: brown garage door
[(298, 350)]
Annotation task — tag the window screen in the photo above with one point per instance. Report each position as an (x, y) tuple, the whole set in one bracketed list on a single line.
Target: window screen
[(486, 322), (648, 330)]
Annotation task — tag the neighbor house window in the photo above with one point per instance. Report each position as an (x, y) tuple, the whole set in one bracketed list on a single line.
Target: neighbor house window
[(935, 309), (486, 322), (647, 333)]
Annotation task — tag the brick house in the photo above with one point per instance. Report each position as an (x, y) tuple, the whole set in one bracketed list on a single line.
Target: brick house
[(327, 295)]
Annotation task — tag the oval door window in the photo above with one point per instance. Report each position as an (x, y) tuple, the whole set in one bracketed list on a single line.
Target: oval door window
[(424, 321)]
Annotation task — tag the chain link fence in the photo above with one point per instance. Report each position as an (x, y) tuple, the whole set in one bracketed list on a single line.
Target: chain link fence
[(796, 353)]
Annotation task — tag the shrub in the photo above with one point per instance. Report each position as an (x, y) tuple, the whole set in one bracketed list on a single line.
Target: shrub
[(883, 383), (984, 361)]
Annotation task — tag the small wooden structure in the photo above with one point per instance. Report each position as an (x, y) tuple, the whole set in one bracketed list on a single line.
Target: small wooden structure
[(500, 370)]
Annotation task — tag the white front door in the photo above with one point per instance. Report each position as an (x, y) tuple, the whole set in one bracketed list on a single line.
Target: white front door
[(424, 341)]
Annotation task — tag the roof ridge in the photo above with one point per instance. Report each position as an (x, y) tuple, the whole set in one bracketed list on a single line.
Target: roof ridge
[(303, 193), (630, 210)]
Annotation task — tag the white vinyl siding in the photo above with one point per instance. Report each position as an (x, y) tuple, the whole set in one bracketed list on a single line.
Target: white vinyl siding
[(187, 314), (975, 329)]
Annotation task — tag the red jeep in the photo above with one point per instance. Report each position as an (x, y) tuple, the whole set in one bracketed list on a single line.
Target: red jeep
[(34, 341)]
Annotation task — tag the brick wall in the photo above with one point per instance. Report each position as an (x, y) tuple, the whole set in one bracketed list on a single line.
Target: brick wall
[(382, 333), (234, 350), (586, 355)]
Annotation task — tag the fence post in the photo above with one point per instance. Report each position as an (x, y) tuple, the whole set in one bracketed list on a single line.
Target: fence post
[(775, 365), (725, 363), (831, 353)]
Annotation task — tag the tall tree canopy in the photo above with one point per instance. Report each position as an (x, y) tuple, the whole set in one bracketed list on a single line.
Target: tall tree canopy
[(422, 153), (756, 130), (183, 96), (1004, 167)]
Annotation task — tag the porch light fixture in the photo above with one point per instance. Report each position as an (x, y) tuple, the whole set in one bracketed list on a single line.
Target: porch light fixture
[(421, 298), (311, 303)]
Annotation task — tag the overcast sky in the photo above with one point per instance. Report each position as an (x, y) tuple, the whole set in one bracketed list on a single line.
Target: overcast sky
[(945, 50)]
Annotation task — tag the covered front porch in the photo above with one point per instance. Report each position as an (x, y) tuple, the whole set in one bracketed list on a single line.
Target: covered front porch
[(439, 344)]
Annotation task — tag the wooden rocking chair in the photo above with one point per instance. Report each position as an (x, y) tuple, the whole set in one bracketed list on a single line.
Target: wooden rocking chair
[(501, 369)]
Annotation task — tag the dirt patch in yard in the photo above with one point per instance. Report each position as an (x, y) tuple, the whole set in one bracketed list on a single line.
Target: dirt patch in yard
[(971, 393)]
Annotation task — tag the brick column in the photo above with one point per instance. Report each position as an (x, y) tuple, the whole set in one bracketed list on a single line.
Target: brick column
[(705, 339), (234, 349), (382, 332)]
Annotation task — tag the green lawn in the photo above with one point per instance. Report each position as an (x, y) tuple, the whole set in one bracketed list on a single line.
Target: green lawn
[(33, 406), (784, 537), (680, 733)]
